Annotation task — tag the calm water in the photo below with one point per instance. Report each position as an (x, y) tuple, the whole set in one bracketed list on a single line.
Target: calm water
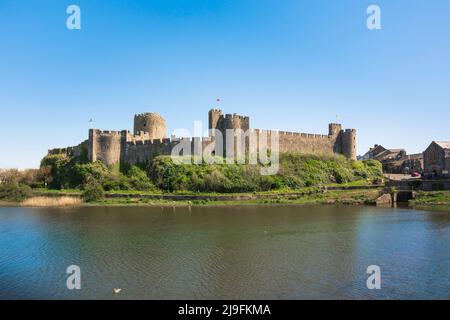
[(264, 252)]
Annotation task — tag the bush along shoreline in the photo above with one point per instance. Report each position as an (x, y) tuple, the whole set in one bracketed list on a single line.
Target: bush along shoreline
[(300, 178)]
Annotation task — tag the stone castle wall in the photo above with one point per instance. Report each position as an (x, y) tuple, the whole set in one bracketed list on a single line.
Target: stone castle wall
[(74, 151), (112, 147), (135, 152), (149, 140), (303, 142), (337, 141)]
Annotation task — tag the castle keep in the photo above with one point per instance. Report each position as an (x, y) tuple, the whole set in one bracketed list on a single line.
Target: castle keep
[(149, 139)]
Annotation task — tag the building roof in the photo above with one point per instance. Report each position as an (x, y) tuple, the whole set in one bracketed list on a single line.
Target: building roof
[(414, 156), (443, 144), (377, 149), (390, 154), (395, 150)]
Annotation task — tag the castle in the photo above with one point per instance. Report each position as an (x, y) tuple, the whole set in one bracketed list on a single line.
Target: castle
[(149, 139)]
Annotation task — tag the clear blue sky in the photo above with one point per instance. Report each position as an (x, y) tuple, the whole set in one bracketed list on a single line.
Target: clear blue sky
[(289, 64)]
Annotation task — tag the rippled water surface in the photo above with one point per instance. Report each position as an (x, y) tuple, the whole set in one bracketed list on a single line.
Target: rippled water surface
[(243, 252)]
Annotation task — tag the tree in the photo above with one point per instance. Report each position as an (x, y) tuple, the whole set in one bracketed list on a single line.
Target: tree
[(93, 190)]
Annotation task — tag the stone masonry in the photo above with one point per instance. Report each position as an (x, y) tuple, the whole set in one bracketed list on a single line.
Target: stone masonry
[(149, 140)]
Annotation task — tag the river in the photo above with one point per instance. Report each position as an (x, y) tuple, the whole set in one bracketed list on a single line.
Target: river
[(238, 252)]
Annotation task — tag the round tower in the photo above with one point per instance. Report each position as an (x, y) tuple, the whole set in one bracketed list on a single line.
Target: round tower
[(105, 146), (152, 124), (348, 143)]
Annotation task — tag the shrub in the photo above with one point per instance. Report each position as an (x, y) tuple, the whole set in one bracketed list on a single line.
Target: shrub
[(68, 172), (296, 171), (93, 190), (214, 181), (139, 180), (14, 192), (29, 177), (115, 181), (62, 170)]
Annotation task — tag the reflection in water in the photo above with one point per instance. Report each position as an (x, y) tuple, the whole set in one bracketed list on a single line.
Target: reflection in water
[(242, 252)]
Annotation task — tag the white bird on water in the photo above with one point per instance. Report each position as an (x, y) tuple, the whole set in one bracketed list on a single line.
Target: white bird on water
[(116, 290)]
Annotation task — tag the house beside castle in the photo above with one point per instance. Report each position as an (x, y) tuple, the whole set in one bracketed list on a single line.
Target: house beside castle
[(395, 160), (437, 160), (149, 139)]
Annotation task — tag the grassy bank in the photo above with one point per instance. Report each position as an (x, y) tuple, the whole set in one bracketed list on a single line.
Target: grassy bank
[(433, 200), (351, 197), (360, 196), (424, 198), (348, 194), (299, 178), (301, 196), (295, 171)]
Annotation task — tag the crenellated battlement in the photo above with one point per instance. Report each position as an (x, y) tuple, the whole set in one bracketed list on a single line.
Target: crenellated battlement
[(106, 132), (150, 124), (74, 151), (235, 116), (291, 134), (149, 139), (168, 141), (64, 151)]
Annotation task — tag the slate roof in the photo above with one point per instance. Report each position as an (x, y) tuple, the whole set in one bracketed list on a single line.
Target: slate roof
[(443, 144), (389, 154)]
